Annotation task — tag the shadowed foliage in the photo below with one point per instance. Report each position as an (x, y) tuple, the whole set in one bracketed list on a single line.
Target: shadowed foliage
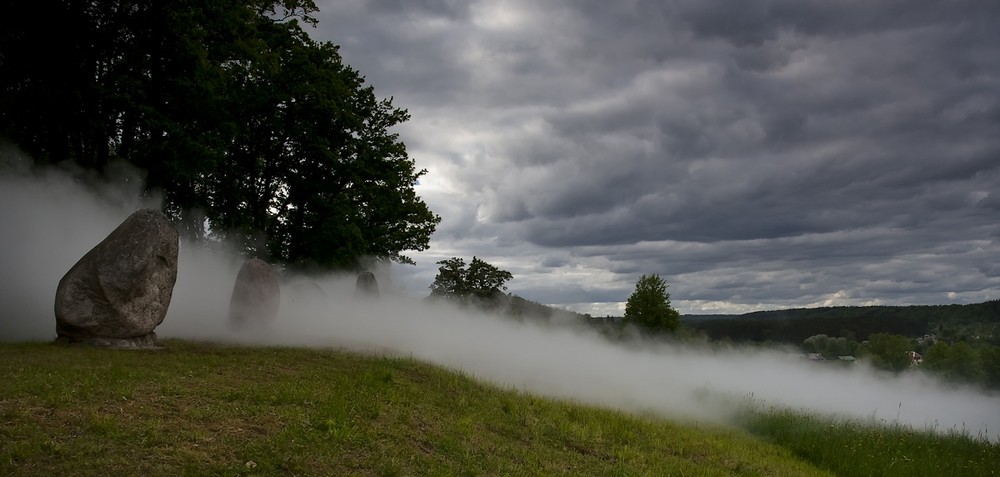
[(249, 128)]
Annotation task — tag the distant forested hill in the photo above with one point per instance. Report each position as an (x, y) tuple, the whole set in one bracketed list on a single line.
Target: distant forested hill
[(855, 322)]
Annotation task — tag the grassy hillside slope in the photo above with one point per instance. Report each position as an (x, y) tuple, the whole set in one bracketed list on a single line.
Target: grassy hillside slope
[(205, 409), (202, 409)]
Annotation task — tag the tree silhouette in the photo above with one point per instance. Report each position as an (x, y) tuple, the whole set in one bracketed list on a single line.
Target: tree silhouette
[(649, 306)]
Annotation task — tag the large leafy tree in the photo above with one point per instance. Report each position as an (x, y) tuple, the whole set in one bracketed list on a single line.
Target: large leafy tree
[(888, 351), (649, 306), (958, 361), (243, 122), (479, 280)]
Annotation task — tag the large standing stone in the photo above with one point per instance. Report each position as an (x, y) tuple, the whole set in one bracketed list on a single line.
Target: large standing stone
[(120, 290), (367, 286), (256, 295)]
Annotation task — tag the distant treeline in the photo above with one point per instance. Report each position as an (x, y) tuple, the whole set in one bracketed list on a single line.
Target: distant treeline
[(956, 343), (855, 322)]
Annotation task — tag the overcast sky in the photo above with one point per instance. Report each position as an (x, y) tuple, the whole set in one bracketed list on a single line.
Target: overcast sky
[(755, 154)]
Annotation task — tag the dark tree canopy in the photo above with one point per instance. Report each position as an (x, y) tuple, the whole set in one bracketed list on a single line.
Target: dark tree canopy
[(479, 280), (649, 306), (230, 109)]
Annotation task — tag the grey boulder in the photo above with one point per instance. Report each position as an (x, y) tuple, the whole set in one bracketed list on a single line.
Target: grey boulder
[(366, 286), (119, 291), (305, 292), (256, 295)]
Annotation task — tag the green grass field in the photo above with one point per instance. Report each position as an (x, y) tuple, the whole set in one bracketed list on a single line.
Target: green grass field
[(205, 409), (851, 448)]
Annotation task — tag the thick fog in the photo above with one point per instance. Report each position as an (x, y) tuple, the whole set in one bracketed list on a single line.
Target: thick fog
[(49, 219)]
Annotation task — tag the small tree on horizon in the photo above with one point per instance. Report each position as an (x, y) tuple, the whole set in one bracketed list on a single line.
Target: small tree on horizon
[(479, 280), (649, 306)]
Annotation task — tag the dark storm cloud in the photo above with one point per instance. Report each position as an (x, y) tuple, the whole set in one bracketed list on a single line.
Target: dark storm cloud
[(830, 150)]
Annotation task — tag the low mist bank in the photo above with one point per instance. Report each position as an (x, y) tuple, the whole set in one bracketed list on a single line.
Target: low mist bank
[(50, 221)]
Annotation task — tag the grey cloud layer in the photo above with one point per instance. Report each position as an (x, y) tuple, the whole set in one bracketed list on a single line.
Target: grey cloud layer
[(849, 145)]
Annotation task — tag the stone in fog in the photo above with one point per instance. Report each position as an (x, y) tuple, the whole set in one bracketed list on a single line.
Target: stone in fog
[(305, 292), (367, 286), (119, 291), (256, 295)]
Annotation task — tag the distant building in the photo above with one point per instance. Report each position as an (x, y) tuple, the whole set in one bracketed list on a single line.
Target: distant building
[(915, 358)]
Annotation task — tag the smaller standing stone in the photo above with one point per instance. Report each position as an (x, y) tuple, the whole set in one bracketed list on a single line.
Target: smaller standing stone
[(256, 295), (367, 286), (305, 292)]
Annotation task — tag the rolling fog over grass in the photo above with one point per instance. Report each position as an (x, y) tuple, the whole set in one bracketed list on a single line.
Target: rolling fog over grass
[(49, 221)]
